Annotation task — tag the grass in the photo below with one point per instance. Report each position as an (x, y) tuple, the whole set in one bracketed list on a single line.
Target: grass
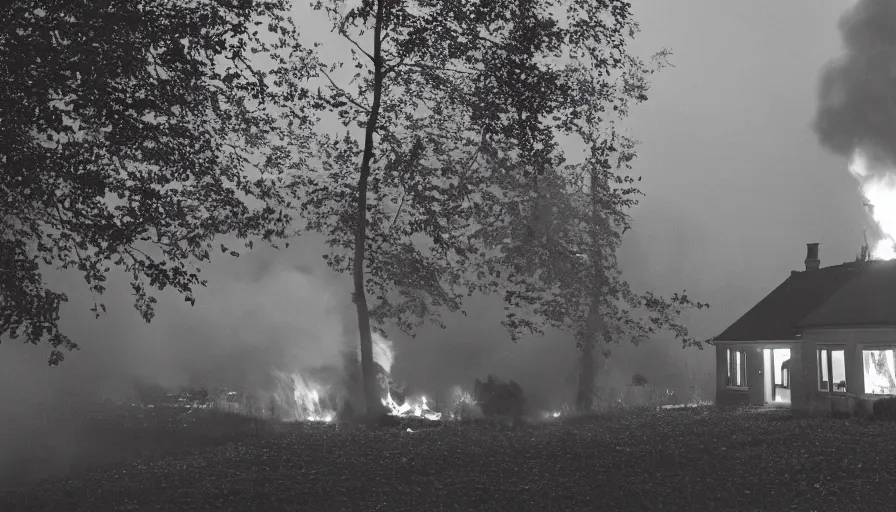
[(699, 459)]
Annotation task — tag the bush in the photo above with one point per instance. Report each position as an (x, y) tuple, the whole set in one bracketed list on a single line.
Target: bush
[(496, 397), (885, 409), (462, 406)]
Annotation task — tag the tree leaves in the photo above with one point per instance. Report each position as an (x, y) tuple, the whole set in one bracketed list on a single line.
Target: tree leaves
[(133, 135), (474, 98)]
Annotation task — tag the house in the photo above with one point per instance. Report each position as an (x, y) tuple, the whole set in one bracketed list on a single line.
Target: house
[(824, 339)]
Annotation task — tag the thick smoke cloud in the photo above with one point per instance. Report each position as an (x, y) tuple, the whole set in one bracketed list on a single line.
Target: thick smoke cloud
[(857, 93)]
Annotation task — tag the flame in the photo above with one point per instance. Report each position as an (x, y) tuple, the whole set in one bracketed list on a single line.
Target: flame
[(880, 192), (305, 399), (384, 355), (306, 394), (412, 407)]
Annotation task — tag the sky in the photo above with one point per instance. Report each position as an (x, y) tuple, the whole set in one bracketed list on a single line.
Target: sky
[(735, 179), (736, 184)]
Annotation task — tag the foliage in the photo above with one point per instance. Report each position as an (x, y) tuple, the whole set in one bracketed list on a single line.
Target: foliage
[(564, 232), (884, 409), (463, 105), (496, 397), (864, 254), (133, 134), (462, 406)]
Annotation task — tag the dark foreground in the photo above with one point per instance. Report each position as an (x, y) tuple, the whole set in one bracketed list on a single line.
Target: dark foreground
[(676, 460)]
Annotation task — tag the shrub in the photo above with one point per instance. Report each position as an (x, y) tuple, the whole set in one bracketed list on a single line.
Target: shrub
[(885, 409), (638, 380), (496, 397), (461, 405)]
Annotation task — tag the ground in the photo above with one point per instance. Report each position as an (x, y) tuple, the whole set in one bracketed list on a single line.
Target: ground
[(701, 459)]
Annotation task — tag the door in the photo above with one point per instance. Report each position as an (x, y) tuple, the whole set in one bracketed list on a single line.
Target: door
[(776, 378)]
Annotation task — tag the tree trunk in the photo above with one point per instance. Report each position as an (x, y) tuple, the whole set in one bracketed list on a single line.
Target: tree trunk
[(368, 372), (585, 390)]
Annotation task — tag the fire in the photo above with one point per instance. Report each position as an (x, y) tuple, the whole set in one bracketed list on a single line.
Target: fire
[(384, 355), (308, 405), (306, 399), (418, 408), (880, 192)]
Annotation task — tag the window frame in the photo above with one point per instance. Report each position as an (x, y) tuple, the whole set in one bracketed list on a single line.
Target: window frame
[(740, 382), (830, 368)]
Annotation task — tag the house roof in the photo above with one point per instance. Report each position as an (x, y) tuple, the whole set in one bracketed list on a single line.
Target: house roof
[(868, 299), (777, 315)]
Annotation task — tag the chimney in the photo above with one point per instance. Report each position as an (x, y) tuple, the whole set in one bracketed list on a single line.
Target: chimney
[(812, 261)]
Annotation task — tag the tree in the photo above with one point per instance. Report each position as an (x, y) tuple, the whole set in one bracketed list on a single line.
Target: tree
[(133, 134), (561, 245), (864, 254), (462, 105), (564, 227)]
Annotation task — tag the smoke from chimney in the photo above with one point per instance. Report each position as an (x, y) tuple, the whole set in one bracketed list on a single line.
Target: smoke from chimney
[(857, 92), (812, 261)]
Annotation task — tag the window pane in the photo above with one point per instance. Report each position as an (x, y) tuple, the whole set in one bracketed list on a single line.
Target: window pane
[(738, 364), (880, 371), (838, 370), (728, 361), (823, 370)]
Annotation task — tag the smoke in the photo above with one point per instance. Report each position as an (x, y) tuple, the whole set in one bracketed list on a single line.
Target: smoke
[(263, 312), (857, 111), (857, 92)]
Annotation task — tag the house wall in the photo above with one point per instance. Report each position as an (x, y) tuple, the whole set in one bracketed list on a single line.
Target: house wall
[(853, 342), (754, 393), (805, 395)]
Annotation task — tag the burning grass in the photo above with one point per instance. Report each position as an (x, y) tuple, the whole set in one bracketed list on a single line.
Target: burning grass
[(699, 458)]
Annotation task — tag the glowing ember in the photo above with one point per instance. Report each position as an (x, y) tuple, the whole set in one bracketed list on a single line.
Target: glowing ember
[(880, 191)]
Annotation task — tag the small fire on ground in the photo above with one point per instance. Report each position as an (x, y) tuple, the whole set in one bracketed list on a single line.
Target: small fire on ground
[(315, 402), (418, 408)]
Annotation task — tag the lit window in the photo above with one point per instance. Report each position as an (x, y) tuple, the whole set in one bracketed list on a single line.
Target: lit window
[(737, 368), (831, 370), (880, 371)]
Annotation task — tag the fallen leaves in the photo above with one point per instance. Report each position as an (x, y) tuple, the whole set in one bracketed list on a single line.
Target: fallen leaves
[(669, 460)]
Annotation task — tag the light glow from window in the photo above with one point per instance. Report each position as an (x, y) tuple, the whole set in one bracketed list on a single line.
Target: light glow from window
[(879, 367)]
